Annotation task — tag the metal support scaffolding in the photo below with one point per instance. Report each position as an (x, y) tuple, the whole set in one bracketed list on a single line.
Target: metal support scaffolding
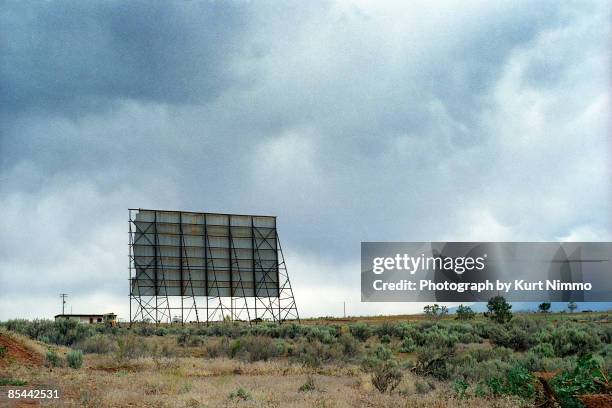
[(188, 267)]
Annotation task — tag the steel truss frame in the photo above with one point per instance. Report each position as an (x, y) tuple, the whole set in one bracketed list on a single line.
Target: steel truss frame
[(267, 304)]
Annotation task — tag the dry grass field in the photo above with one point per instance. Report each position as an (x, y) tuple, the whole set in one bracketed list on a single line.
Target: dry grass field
[(303, 366)]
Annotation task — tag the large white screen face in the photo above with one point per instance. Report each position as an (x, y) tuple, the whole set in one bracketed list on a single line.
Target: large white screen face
[(201, 254)]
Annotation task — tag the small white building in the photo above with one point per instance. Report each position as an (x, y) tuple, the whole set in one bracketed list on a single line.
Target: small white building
[(89, 318)]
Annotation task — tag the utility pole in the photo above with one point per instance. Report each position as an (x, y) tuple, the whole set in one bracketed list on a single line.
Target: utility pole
[(63, 296), (344, 306)]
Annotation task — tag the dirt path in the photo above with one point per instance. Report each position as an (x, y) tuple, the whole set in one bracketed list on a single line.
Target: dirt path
[(15, 351)]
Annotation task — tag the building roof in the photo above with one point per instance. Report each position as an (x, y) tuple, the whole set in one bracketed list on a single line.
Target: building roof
[(85, 315)]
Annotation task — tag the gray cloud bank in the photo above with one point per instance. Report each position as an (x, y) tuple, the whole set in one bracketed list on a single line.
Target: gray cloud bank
[(351, 121)]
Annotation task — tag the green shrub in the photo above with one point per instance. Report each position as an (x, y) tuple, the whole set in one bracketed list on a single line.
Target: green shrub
[(53, 359), (309, 385), (99, 344), (482, 328), (385, 329), (544, 350), (322, 334), (160, 331), (382, 353), (467, 338), (315, 353), (571, 340), (467, 367), (255, 348), (422, 387), (532, 362), (386, 376), (605, 333), (586, 378), (404, 330), (360, 331), (606, 354), (520, 382), (512, 337), (75, 359), (280, 347), (12, 382), (290, 331), (434, 361), (186, 338), (145, 330), (350, 346), (3, 351), (408, 345), (60, 332), (480, 390), (129, 347), (437, 337), (460, 388), (385, 339), (240, 394), (214, 348), (517, 381), (501, 353), (235, 348)]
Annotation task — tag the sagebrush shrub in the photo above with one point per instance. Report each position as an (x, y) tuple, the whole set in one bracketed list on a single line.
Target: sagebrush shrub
[(361, 331), (434, 361), (322, 334), (235, 348), (350, 346), (385, 329), (513, 337), (309, 385), (129, 347), (404, 330), (240, 394), (99, 344), (422, 387), (53, 359), (314, 353), (408, 345), (386, 376), (544, 350), (437, 337), (75, 359), (291, 331), (256, 348), (567, 341), (60, 332), (214, 347)]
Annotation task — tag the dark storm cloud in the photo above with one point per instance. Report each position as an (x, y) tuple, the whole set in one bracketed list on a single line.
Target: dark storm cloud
[(349, 121), (74, 56)]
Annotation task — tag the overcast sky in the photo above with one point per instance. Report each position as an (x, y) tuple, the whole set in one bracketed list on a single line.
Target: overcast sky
[(351, 121)]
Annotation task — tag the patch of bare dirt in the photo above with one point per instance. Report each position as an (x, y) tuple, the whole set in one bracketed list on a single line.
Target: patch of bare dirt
[(18, 352), (114, 369), (596, 400)]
